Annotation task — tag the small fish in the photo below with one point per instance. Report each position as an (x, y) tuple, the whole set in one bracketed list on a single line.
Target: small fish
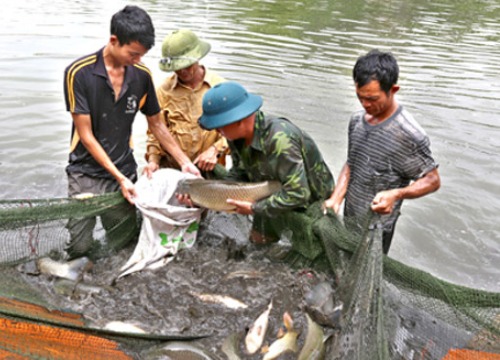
[(256, 333), (180, 350), (83, 196), (284, 344), (123, 327), (314, 346), (213, 194), (245, 274), (225, 300), (71, 270), (71, 288), (323, 306), (230, 347)]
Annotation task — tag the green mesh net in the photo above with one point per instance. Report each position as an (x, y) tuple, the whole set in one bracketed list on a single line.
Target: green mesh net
[(33, 228), (389, 310)]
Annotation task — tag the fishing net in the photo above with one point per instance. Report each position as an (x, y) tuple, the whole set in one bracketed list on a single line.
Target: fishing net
[(33, 228), (31, 327), (389, 310)]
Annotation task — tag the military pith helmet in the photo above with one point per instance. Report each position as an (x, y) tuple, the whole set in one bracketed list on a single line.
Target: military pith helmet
[(182, 48), (226, 103)]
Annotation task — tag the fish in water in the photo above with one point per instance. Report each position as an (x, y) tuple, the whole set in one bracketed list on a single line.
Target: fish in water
[(225, 300), (256, 333), (177, 350), (284, 344), (230, 347), (213, 194), (123, 327), (322, 305), (71, 270), (314, 344), (77, 288), (244, 274)]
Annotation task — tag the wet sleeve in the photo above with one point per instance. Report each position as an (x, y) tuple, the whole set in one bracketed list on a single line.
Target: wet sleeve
[(349, 132), (221, 144), (154, 151), (420, 161)]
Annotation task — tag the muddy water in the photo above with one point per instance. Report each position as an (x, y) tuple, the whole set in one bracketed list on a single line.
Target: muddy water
[(164, 302)]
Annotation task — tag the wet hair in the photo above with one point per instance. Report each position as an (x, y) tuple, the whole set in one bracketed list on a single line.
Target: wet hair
[(133, 24), (376, 65)]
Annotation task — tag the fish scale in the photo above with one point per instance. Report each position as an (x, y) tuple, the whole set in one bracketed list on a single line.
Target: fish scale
[(213, 194)]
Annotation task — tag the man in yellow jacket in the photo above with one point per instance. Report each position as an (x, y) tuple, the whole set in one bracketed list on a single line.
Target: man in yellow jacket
[(180, 97)]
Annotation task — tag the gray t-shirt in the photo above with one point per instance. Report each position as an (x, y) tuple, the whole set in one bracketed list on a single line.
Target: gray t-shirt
[(385, 156)]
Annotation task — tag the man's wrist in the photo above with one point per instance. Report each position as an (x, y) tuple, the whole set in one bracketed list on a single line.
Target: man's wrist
[(400, 194), (155, 158), (218, 153), (121, 179)]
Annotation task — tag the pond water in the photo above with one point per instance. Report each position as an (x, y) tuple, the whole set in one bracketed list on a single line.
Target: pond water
[(298, 56)]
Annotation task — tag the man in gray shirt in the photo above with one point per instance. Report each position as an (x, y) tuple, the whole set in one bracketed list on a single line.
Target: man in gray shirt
[(389, 157)]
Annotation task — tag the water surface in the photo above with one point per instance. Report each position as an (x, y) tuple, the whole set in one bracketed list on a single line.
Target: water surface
[(298, 56)]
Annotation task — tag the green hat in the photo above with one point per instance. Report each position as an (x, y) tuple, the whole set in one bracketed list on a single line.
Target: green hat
[(181, 49), (226, 103)]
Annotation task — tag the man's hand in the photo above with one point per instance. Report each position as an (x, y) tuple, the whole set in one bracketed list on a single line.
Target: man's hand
[(150, 168), (331, 204), (184, 199), (128, 190), (242, 207), (191, 168), (207, 160), (383, 202)]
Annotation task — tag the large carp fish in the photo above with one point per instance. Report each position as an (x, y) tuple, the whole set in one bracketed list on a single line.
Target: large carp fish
[(212, 194)]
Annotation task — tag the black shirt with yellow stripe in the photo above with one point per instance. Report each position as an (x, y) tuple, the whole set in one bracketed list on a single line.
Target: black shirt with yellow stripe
[(88, 90)]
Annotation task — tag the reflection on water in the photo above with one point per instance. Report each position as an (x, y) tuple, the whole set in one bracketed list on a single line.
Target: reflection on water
[(299, 56)]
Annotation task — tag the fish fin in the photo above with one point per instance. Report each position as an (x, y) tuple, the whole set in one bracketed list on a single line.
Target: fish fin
[(288, 321)]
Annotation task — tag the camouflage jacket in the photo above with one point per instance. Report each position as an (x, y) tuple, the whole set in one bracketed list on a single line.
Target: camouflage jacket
[(281, 151)]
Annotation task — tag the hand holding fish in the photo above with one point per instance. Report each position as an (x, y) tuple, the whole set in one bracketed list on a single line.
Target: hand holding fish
[(184, 199), (241, 206)]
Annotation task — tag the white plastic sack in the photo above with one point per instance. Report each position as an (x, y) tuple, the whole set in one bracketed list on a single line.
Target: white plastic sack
[(167, 226)]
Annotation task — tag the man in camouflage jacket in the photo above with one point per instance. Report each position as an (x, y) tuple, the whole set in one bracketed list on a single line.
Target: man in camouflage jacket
[(279, 150), (266, 148)]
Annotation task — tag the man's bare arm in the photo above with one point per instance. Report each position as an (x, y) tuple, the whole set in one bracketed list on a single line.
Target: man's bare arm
[(167, 141), (383, 202), (83, 126), (340, 190)]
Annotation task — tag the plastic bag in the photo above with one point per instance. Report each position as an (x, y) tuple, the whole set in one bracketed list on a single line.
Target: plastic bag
[(167, 226)]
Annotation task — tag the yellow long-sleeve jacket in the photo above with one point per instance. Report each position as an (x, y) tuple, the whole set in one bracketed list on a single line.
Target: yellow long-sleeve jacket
[(181, 108)]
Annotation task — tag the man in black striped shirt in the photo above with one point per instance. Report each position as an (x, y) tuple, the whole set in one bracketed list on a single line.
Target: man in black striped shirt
[(389, 157)]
